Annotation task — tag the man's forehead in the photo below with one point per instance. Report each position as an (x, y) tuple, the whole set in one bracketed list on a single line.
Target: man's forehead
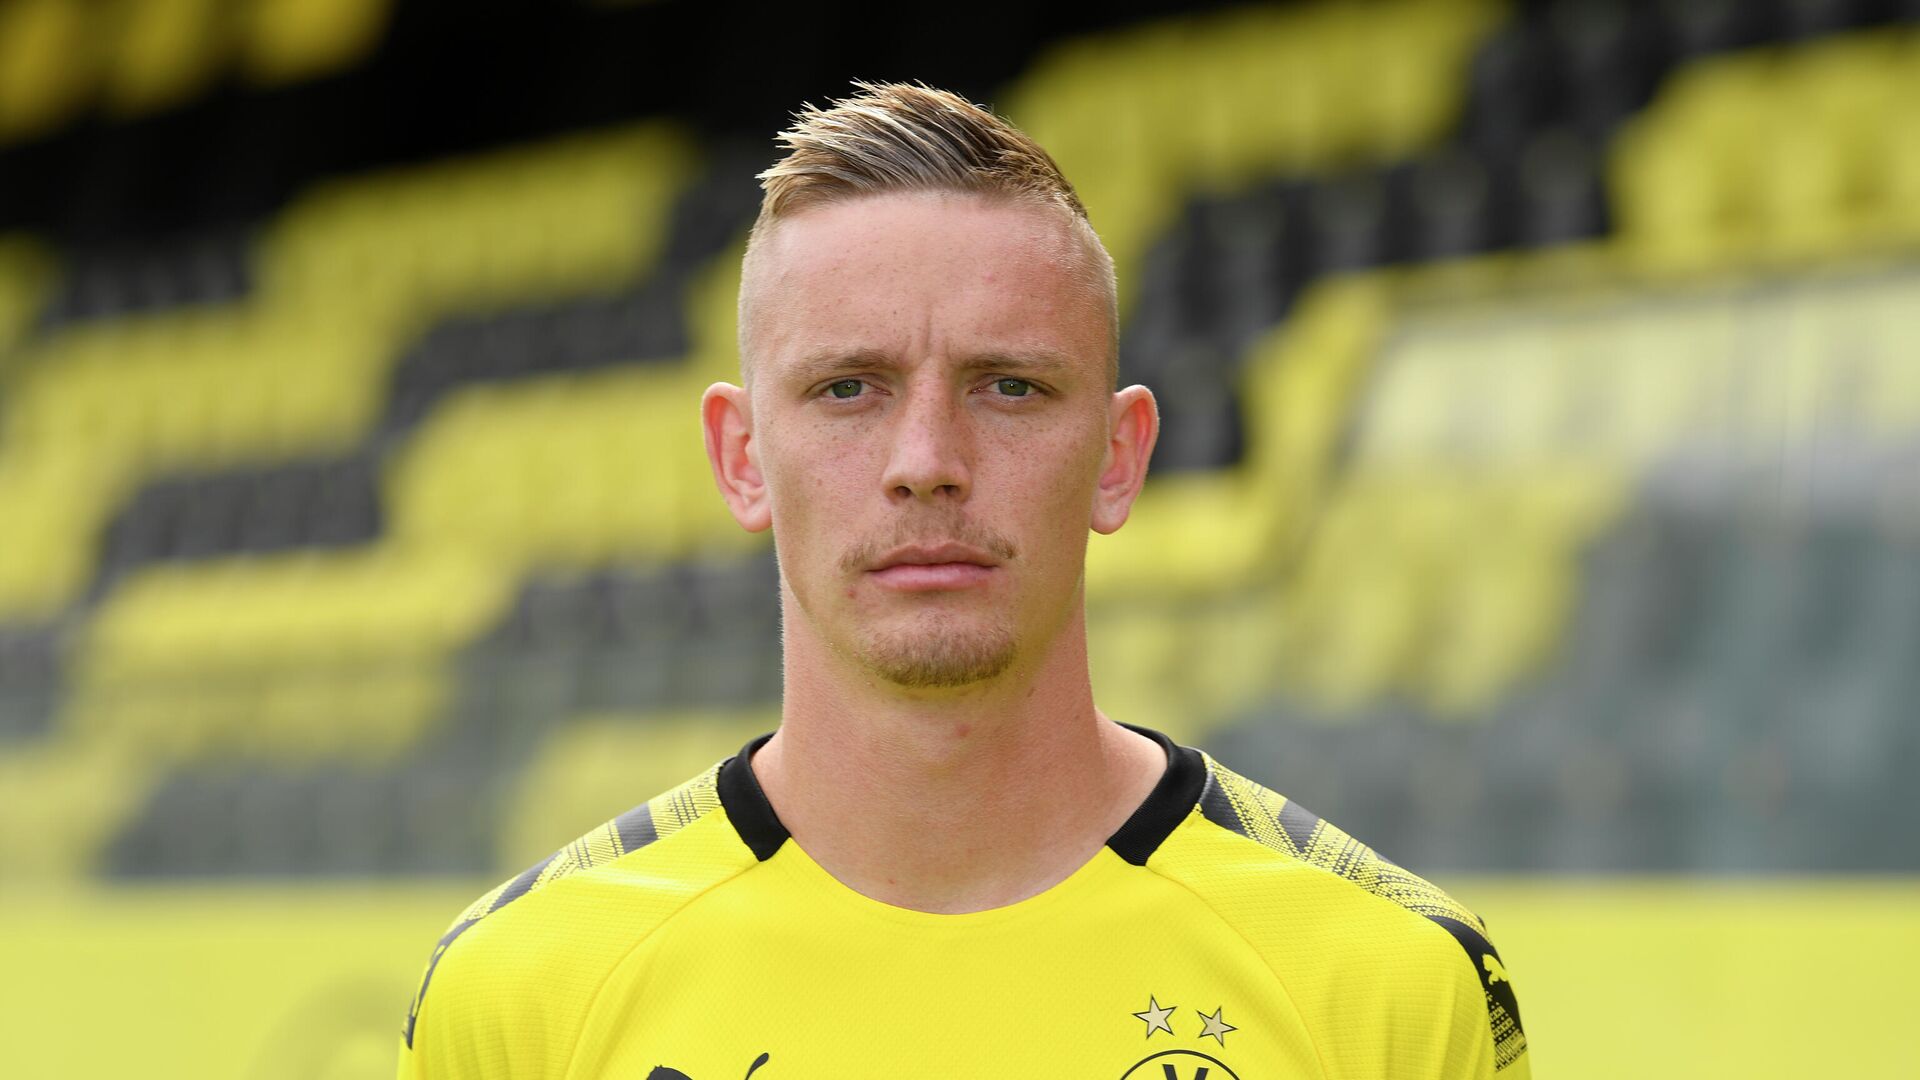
[(965, 258), (852, 235)]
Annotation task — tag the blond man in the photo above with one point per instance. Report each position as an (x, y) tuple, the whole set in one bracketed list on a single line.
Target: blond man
[(947, 861)]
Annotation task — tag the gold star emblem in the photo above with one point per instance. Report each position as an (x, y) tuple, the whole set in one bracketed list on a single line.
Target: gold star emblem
[(1156, 1017), (1216, 1027)]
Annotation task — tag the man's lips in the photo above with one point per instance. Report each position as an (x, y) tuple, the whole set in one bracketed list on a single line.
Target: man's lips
[(922, 577), (935, 567)]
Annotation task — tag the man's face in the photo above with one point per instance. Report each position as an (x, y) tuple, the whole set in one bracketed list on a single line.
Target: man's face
[(930, 411)]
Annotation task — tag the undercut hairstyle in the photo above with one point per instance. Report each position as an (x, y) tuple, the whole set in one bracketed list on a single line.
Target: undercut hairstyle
[(910, 137)]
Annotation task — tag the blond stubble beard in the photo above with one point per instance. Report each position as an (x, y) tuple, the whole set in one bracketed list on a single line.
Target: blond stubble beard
[(938, 659)]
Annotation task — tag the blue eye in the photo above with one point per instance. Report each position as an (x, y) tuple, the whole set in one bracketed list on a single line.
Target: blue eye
[(1014, 387), (846, 388)]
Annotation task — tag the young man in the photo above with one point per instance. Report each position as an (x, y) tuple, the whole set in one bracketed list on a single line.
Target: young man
[(947, 862)]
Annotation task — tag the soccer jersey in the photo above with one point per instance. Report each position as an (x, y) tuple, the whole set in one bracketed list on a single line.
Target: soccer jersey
[(1223, 933)]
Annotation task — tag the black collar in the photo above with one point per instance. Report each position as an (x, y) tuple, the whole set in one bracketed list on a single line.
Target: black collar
[(1177, 793)]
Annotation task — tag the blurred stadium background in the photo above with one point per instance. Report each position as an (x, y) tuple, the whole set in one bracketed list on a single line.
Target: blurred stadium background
[(1539, 497)]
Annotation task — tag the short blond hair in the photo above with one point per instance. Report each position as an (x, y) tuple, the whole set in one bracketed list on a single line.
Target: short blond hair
[(910, 137)]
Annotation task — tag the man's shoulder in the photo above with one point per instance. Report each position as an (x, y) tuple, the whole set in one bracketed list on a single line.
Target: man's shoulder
[(1296, 844), (558, 926), (1341, 918), (595, 865)]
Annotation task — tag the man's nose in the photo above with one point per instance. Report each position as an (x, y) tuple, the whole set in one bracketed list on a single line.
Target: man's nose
[(932, 449)]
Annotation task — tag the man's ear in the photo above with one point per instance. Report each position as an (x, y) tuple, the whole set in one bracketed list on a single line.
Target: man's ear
[(727, 419), (1133, 428)]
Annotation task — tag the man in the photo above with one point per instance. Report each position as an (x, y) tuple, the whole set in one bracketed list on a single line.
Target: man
[(947, 862)]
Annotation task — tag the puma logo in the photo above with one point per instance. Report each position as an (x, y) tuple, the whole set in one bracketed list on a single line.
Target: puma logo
[(1495, 973)]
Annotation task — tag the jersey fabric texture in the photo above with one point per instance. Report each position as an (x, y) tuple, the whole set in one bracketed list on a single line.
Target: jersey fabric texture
[(1224, 933)]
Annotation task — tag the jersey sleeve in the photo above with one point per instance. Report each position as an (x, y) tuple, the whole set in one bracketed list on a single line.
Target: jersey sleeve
[(510, 983), (479, 1010), (1383, 943), (1485, 1041), (430, 1046)]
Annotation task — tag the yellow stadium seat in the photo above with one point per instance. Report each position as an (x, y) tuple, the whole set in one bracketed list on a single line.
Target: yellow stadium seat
[(1141, 117), (570, 471), (1192, 535), (513, 226), (244, 614), (291, 656), (1669, 206), (49, 503), (1786, 154), (199, 388), (286, 41), (48, 59), (1299, 389), (1355, 606), (1508, 580), (166, 53), (1896, 216)]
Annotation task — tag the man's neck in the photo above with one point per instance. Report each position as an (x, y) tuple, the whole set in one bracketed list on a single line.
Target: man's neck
[(951, 801)]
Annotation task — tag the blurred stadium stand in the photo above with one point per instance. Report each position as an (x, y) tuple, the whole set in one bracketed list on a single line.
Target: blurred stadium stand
[(1540, 487), (1539, 389)]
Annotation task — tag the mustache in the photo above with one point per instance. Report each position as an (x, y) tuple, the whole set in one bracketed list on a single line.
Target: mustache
[(957, 530)]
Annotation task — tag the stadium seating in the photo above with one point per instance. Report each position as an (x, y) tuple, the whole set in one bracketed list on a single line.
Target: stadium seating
[(299, 368), (213, 268), (1535, 488), (58, 57), (1776, 157), (310, 503), (226, 413), (1142, 117)]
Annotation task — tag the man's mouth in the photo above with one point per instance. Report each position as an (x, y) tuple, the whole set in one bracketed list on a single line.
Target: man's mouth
[(934, 567)]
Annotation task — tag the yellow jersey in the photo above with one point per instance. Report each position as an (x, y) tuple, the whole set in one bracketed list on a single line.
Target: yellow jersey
[(1224, 933)]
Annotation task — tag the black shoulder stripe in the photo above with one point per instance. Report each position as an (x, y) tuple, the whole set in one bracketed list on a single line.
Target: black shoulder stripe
[(635, 828), (1298, 823), (1218, 808), (1295, 822), (519, 886)]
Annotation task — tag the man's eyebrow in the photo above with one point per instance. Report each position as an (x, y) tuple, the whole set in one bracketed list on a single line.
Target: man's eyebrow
[(827, 363), (1035, 362)]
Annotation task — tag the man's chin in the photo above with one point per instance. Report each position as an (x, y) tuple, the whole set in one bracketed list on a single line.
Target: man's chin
[(941, 661)]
